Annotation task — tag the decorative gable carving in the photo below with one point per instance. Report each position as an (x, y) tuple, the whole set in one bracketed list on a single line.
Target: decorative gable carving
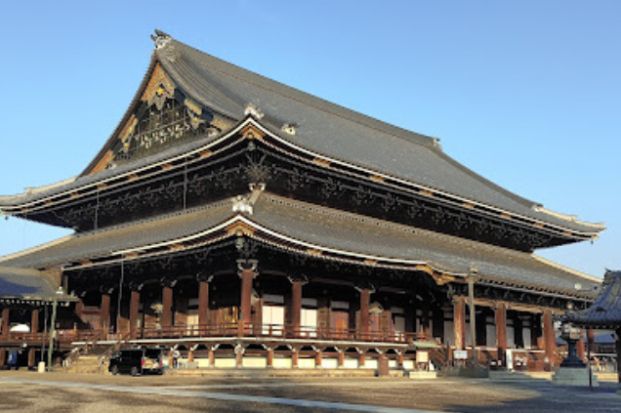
[(162, 117)]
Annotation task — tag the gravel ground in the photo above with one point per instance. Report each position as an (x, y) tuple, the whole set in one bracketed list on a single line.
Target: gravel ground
[(61, 392)]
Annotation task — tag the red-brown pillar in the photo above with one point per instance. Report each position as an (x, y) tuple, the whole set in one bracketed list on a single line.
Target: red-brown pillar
[(203, 303), (269, 362), (295, 358), (459, 322), (247, 272), (2, 357), (104, 313), (257, 322), (167, 305), (4, 330), (134, 306), (296, 305), (549, 337), (340, 361), (387, 326), (34, 321), (361, 359), (363, 326), (501, 332), (211, 356), (32, 357), (318, 358), (323, 317)]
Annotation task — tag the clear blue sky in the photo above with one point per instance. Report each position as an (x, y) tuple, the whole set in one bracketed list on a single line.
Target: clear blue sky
[(527, 93)]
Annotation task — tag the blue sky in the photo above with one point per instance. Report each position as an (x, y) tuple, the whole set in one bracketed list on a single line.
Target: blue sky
[(527, 93)]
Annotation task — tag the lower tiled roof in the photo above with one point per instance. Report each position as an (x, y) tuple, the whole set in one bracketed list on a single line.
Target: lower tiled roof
[(312, 226)]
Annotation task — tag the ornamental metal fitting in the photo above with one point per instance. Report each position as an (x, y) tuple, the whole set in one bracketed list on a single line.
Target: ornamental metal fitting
[(247, 265)]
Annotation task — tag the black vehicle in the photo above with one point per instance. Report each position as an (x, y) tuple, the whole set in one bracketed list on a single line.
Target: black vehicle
[(137, 361)]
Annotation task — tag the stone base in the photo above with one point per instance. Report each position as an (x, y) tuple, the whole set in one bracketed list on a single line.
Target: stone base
[(572, 376), (423, 375)]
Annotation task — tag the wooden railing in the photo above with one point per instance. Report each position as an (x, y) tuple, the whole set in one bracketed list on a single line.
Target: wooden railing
[(238, 329), (275, 331)]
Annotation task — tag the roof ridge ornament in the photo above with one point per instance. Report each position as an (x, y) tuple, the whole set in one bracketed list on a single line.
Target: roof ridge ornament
[(160, 39), (253, 110)]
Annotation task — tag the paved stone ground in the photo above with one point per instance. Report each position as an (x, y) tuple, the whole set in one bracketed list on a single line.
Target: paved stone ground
[(60, 392)]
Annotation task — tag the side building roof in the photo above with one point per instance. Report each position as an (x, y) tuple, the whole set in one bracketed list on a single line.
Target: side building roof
[(316, 230), (605, 312)]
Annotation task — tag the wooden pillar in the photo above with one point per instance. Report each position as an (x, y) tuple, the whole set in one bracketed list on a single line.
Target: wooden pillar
[(32, 352), (2, 357), (203, 302), (549, 337), (257, 322), (247, 272), (340, 361), (211, 356), (190, 355), (104, 313), (387, 325), (134, 307), (323, 317), (296, 305), (318, 358), (5, 322), (295, 358), (270, 357), (361, 359), (459, 322), (167, 305), (363, 326), (501, 332), (34, 321)]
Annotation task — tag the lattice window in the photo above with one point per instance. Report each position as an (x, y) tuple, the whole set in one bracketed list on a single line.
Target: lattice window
[(160, 125)]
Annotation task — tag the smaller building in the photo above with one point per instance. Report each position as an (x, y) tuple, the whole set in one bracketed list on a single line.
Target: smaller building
[(605, 312)]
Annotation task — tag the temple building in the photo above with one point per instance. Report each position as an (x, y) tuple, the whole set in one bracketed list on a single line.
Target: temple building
[(245, 223)]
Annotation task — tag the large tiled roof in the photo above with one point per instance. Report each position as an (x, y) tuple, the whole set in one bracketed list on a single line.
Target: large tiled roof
[(330, 230), (338, 132), (325, 128), (605, 312)]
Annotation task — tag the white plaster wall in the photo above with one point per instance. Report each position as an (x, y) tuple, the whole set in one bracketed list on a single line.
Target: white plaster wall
[(225, 363), (254, 362), (370, 364), (408, 364), (329, 363), (306, 363), (350, 363), (282, 363)]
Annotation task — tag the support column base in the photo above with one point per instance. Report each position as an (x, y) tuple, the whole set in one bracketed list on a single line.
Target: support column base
[(572, 376)]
